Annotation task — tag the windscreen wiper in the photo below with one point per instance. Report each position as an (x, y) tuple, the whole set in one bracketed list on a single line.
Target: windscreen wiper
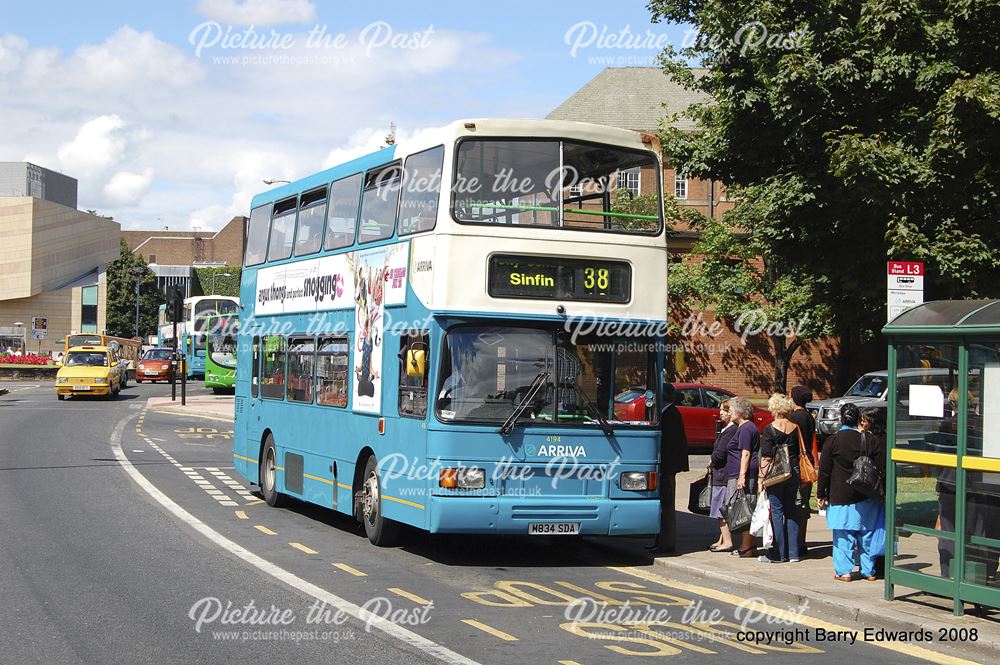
[(533, 388), (604, 424)]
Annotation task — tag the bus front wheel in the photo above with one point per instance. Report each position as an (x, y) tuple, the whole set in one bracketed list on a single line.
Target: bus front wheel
[(269, 476), (382, 532)]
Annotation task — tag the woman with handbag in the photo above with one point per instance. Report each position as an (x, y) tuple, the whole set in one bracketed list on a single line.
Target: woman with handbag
[(779, 474), (801, 395), (717, 467), (741, 465), (848, 477)]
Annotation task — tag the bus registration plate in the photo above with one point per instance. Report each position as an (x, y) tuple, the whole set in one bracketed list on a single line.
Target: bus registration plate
[(553, 528)]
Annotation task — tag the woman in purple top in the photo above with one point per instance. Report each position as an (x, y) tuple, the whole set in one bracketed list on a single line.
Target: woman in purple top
[(717, 468), (741, 465)]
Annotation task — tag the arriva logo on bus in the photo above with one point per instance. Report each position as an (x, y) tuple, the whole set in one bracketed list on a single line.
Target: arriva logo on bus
[(562, 451)]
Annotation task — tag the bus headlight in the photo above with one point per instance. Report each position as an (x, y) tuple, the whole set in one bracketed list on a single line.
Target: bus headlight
[(638, 481), (463, 478), (472, 479)]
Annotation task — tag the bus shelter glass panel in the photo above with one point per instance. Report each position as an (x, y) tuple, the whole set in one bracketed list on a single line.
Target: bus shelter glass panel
[(983, 401), (925, 501), (926, 374), (982, 528)]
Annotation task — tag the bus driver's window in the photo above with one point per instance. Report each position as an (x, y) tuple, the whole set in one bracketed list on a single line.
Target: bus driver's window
[(414, 356)]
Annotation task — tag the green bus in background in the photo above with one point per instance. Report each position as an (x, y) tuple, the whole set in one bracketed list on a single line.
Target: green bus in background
[(220, 353)]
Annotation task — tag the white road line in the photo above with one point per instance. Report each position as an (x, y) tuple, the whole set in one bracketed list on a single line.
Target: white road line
[(400, 633)]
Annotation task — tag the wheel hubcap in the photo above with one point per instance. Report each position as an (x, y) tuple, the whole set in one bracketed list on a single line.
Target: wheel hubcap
[(371, 498), (269, 472)]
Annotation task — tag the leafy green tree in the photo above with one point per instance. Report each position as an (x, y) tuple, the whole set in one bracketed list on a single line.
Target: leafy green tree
[(853, 131), (738, 275), (225, 280), (121, 296)]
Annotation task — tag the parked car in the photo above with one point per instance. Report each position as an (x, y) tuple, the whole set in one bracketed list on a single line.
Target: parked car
[(90, 370), (155, 365), (872, 391), (698, 405)]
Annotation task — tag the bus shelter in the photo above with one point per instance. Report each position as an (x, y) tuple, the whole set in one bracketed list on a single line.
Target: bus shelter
[(943, 429)]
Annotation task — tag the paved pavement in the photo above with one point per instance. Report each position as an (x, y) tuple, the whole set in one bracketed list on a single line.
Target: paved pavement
[(122, 517)]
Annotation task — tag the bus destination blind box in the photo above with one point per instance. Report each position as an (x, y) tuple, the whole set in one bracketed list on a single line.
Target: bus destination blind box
[(557, 278)]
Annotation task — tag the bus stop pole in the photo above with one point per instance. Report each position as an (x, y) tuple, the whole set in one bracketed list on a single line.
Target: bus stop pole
[(175, 366), (184, 375)]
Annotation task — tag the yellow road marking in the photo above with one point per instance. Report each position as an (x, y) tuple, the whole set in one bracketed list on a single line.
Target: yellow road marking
[(568, 662), (303, 548), (240, 514), (245, 459), (255, 502), (785, 615), (491, 630), (349, 569), (263, 529), (409, 596), (402, 501)]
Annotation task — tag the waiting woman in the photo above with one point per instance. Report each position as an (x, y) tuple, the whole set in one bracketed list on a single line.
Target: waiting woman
[(853, 517), (781, 432), (742, 463), (801, 395), (717, 467)]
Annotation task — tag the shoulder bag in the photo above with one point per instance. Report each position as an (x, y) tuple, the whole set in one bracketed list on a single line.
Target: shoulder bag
[(738, 512), (866, 479), (807, 471), (781, 466)]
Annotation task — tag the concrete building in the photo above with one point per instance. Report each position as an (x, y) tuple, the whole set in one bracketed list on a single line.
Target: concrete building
[(27, 179), (53, 258), (172, 255)]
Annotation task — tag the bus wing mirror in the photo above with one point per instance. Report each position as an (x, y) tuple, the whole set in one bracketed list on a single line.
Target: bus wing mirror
[(416, 362)]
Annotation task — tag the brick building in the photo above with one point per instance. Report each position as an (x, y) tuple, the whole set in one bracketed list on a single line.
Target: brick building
[(641, 98), (172, 255)]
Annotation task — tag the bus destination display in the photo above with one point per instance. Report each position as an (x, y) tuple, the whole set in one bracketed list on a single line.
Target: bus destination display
[(552, 278)]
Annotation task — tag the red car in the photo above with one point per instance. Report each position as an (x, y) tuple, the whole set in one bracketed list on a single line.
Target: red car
[(699, 407)]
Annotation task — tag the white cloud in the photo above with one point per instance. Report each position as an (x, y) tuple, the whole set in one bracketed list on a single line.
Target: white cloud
[(258, 12), (110, 112), (98, 145), (127, 189)]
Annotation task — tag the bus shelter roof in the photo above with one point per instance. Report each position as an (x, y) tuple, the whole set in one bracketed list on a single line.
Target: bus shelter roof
[(955, 317)]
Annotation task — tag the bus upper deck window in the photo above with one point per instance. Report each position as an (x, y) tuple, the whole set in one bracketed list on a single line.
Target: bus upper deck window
[(378, 203)]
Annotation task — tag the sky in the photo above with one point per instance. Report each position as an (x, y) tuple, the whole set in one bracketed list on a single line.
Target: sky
[(170, 114)]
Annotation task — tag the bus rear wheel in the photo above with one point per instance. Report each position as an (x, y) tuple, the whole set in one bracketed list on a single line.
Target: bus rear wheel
[(381, 531), (269, 476)]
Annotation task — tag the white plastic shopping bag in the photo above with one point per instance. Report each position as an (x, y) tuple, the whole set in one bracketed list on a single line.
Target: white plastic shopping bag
[(761, 516)]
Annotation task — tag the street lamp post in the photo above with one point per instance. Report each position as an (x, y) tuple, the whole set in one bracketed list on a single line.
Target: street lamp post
[(137, 271), (221, 274)]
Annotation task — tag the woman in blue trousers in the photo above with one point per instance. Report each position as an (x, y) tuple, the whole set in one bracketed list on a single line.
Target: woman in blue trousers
[(853, 517)]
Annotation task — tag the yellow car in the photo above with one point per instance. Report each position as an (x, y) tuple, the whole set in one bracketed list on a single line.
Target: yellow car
[(90, 370)]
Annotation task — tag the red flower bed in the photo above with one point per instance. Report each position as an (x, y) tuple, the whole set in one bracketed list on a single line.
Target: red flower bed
[(30, 359)]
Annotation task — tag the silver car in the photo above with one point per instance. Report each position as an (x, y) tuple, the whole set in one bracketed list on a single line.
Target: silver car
[(872, 391)]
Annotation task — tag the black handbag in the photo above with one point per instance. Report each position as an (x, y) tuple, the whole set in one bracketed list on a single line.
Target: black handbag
[(780, 469), (700, 496), (738, 512), (866, 479)]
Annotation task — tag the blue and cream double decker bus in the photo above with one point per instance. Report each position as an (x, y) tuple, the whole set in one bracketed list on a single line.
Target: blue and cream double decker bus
[(434, 334)]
